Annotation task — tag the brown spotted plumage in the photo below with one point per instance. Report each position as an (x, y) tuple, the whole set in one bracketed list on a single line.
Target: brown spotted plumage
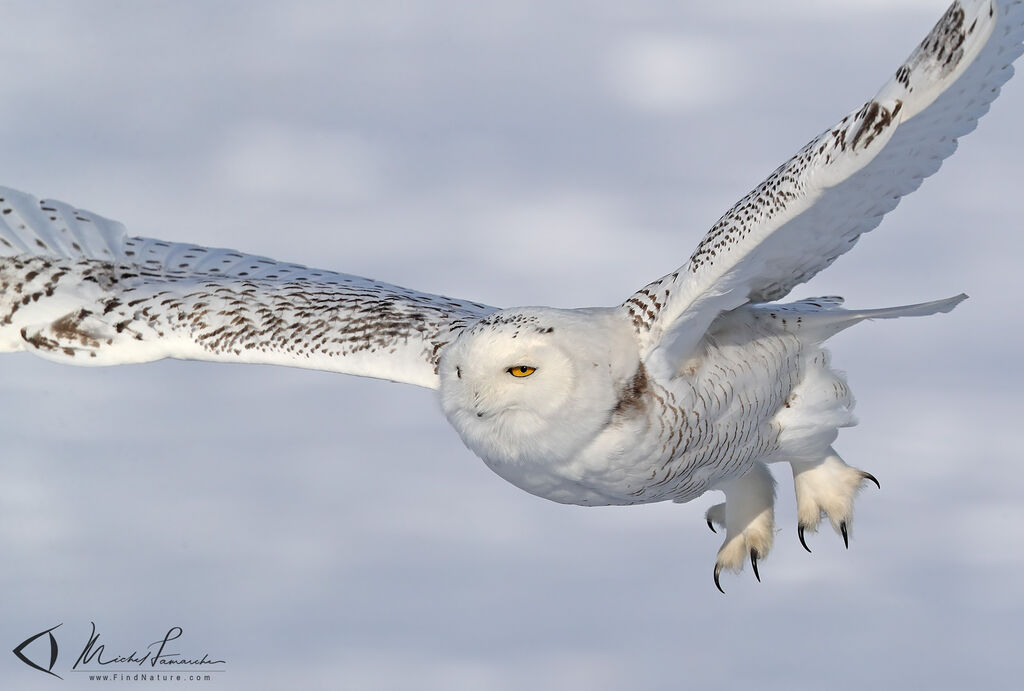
[(148, 299), (815, 206)]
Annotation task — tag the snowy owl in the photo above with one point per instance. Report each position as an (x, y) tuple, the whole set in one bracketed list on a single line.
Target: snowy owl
[(695, 382)]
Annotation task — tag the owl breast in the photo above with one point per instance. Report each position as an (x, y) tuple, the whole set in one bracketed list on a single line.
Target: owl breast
[(590, 425)]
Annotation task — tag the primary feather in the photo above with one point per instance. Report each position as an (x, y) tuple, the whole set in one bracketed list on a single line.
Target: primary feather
[(815, 206), (78, 289)]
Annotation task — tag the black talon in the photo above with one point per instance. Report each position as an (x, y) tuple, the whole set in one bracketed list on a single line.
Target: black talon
[(753, 562), (711, 526), (869, 476), (800, 534), (718, 570), (846, 536)]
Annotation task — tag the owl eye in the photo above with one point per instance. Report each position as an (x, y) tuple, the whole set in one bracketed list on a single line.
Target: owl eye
[(521, 370)]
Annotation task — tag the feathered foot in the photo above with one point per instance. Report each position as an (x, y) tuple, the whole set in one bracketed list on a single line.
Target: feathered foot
[(827, 488), (748, 516)]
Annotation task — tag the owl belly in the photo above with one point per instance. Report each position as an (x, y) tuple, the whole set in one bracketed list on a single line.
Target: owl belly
[(644, 460), (661, 452)]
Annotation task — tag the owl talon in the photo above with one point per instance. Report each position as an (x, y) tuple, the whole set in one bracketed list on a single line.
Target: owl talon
[(800, 534), (748, 517), (827, 488), (715, 516)]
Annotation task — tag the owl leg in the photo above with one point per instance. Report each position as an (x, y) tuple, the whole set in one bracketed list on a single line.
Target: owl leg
[(826, 487), (748, 516)]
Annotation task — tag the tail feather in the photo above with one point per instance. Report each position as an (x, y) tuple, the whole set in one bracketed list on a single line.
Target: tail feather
[(821, 318), (921, 309)]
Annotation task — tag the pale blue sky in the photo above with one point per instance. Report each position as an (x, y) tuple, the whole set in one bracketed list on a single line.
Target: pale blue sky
[(323, 531)]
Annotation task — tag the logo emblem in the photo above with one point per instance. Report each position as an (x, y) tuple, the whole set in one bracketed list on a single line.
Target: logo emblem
[(53, 651)]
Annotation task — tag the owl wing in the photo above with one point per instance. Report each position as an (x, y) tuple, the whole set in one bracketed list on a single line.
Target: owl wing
[(815, 206), (75, 287)]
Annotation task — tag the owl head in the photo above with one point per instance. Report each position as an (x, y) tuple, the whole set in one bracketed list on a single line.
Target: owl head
[(536, 383)]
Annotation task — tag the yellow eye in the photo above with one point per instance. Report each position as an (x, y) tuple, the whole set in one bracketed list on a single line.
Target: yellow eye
[(521, 370)]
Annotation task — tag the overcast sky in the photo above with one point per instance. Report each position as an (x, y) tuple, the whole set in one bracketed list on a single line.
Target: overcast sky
[(324, 531)]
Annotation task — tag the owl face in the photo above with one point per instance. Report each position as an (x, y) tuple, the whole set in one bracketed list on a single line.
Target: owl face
[(536, 384)]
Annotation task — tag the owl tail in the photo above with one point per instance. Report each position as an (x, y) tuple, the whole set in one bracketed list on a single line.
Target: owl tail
[(821, 318)]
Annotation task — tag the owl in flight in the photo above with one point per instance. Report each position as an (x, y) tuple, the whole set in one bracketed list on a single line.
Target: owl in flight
[(696, 382)]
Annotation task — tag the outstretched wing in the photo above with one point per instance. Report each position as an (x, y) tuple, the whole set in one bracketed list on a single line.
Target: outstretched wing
[(814, 207), (74, 287)]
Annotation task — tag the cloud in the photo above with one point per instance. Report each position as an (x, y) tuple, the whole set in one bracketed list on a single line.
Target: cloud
[(298, 165), (667, 73)]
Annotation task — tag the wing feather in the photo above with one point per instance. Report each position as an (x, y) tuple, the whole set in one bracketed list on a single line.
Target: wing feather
[(815, 206), (75, 287)]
